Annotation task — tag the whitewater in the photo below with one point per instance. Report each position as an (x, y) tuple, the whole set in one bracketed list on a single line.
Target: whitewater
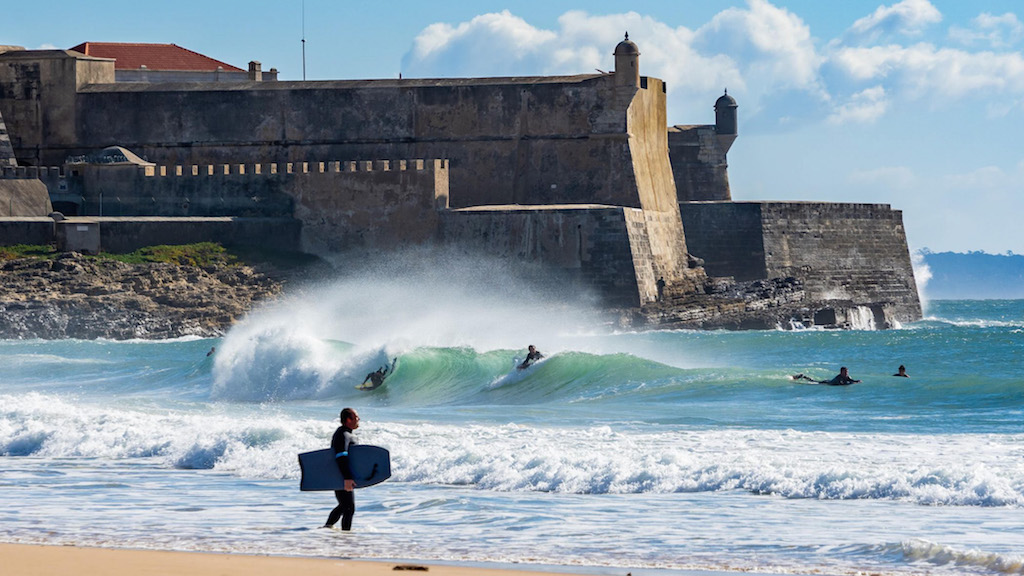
[(657, 452)]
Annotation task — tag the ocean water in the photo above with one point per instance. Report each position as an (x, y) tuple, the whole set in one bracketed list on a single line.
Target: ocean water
[(654, 452)]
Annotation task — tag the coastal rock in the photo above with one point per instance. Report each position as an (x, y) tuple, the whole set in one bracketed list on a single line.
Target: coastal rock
[(778, 303), (74, 296)]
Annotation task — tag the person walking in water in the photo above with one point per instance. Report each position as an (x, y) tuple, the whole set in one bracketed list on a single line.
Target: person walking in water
[(340, 444)]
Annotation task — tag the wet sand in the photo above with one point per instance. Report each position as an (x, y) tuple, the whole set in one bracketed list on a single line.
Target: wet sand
[(36, 560)]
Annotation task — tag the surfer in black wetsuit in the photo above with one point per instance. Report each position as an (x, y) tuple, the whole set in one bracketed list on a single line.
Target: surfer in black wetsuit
[(902, 372), (340, 443), (841, 379), (532, 355), (377, 378)]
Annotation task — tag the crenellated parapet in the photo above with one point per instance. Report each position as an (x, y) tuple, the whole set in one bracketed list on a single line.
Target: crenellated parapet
[(353, 204), (289, 168), (31, 172)]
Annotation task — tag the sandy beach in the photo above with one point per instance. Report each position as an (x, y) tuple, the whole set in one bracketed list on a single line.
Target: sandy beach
[(36, 560)]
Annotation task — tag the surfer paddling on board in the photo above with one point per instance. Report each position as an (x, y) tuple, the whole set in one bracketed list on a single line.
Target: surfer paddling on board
[(377, 378), (532, 355), (340, 444), (841, 379)]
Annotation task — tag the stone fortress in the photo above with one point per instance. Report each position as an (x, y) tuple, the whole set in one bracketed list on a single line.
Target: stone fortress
[(579, 176)]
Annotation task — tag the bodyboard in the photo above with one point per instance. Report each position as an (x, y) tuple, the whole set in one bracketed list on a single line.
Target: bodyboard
[(369, 464)]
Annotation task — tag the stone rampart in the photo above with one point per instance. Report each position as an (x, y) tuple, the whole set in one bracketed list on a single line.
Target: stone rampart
[(120, 235), (26, 230), (342, 205), (699, 164), (665, 246), (6, 151), (513, 136), (23, 197), (585, 249), (854, 252), (519, 140)]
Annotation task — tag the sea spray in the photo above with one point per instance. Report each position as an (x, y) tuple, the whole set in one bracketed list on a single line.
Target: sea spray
[(412, 300)]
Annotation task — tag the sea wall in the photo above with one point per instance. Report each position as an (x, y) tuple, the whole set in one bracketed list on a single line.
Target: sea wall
[(586, 250), (841, 251), (121, 235)]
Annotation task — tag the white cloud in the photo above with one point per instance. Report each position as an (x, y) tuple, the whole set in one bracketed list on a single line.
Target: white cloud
[(940, 74), (995, 31), (765, 55), (770, 45), (908, 18), (754, 52), (864, 107), (480, 47)]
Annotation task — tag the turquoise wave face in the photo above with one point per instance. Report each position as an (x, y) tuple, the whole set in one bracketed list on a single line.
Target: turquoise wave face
[(965, 364)]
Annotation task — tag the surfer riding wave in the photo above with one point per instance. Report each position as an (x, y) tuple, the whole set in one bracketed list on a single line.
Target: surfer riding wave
[(532, 356), (377, 378)]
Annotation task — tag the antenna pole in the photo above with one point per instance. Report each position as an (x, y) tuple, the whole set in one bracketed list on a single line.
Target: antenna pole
[(303, 40)]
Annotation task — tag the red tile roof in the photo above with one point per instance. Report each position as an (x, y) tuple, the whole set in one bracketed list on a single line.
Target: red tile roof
[(131, 56)]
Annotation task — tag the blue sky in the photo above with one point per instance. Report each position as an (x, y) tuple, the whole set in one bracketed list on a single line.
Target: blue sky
[(915, 103)]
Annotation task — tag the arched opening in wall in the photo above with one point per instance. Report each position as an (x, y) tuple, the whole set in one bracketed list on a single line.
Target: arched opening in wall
[(66, 208)]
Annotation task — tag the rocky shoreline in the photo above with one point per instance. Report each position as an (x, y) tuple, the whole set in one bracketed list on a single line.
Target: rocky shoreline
[(73, 296), (77, 297)]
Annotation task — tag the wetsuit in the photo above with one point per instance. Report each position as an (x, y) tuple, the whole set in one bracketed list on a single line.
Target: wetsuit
[(375, 379), (840, 380), (346, 507), (530, 358)]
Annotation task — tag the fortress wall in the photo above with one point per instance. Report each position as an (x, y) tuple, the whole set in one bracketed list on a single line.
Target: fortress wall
[(120, 235), (23, 197), (255, 190), (728, 236), (699, 164), (26, 230), (511, 140), (38, 99), (842, 251), (372, 206), (221, 190), (7, 158), (648, 142), (581, 248)]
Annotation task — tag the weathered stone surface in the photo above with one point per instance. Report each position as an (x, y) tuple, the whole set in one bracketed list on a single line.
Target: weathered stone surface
[(77, 297), (778, 303), (840, 251)]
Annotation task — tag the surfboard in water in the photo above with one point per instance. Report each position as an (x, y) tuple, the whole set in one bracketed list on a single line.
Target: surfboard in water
[(369, 464)]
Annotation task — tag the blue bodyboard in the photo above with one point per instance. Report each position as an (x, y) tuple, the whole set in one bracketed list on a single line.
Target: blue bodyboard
[(369, 464)]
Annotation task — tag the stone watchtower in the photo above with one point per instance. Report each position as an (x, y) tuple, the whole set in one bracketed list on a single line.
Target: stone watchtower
[(698, 152), (627, 63), (725, 121)]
